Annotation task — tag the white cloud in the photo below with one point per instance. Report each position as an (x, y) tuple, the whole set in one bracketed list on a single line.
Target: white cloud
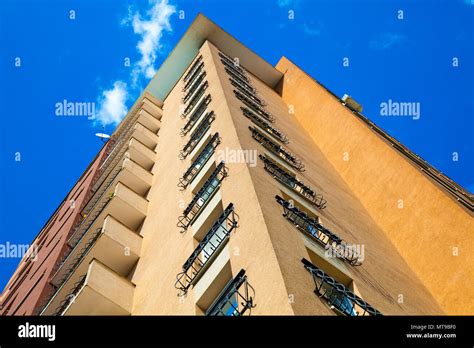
[(112, 107), (150, 28), (112, 103)]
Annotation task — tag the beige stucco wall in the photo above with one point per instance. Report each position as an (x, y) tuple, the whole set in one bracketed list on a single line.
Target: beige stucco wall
[(429, 225)]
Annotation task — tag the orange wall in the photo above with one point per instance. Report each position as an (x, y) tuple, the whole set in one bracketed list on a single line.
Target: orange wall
[(430, 225)]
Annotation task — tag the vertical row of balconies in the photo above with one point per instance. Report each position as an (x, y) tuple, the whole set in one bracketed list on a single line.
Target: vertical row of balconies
[(92, 277), (207, 270)]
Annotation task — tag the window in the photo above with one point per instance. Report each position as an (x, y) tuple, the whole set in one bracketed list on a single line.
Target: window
[(193, 88), (339, 298), (199, 162), (254, 106), (196, 115), (195, 98), (229, 62), (195, 66), (236, 298), (202, 197), (290, 181), (276, 149), (267, 127), (206, 249), (249, 94), (321, 234), (197, 135), (239, 77)]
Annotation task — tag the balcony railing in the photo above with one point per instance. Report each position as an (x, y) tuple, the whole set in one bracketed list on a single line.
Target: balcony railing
[(338, 297), (202, 197), (267, 127), (231, 63), (277, 149), (194, 67), (241, 78), (206, 249), (311, 227), (194, 86), (194, 100), (199, 162), (236, 298), (291, 182), (249, 94), (260, 111), (195, 115), (197, 135), (70, 297)]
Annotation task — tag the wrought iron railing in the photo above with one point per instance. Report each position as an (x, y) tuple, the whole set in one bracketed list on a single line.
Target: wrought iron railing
[(229, 62), (194, 67), (254, 106), (198, 112), (267, 127), (312, 227), (236, 298), (197, 135), (202, 197), (194, 87), (199, 162), (209, 246), (239, 77), (277, 149), (196, 97), (249, 94), (71, 296), (339, 298), (290, 181), (75, 263)]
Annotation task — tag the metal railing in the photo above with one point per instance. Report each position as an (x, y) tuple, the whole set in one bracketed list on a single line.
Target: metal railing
[(277, 149), (199, 162), (239, 77), (236, 298), (226, 60), (313, 228), (202, 197), (194, 86), (192, 103), (254, 106), (75, 263), (195, 115), (267, 127), (249, 94), (70, 297), (291, 182), (338, 297), (194, 67), (209, 246), (197, 135)]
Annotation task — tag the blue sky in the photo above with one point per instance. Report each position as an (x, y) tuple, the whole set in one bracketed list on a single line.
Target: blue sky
[(82, 60)]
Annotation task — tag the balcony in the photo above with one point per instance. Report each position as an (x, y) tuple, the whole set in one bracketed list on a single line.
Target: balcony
[(194, 87), (207, 249), (236, 298), (202, 197), (99, 292), (113, 244), (145, 136), (197, 135), (149, 121), (311, 227), (249, 93), (200, 161), (195, 66), (196, 115), (289, 180), (276, 149), (340, 299), (231, 64), (140, 154), (259, 110), (196, 98), (264, 125)]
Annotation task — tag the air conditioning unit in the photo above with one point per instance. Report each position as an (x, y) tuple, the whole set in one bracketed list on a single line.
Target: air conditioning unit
[(351, 103)]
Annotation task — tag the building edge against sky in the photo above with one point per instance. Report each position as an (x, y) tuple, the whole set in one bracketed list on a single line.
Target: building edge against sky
[(416, 258)]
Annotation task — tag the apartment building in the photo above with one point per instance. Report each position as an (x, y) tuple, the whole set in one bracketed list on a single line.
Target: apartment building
[(233, 187)]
